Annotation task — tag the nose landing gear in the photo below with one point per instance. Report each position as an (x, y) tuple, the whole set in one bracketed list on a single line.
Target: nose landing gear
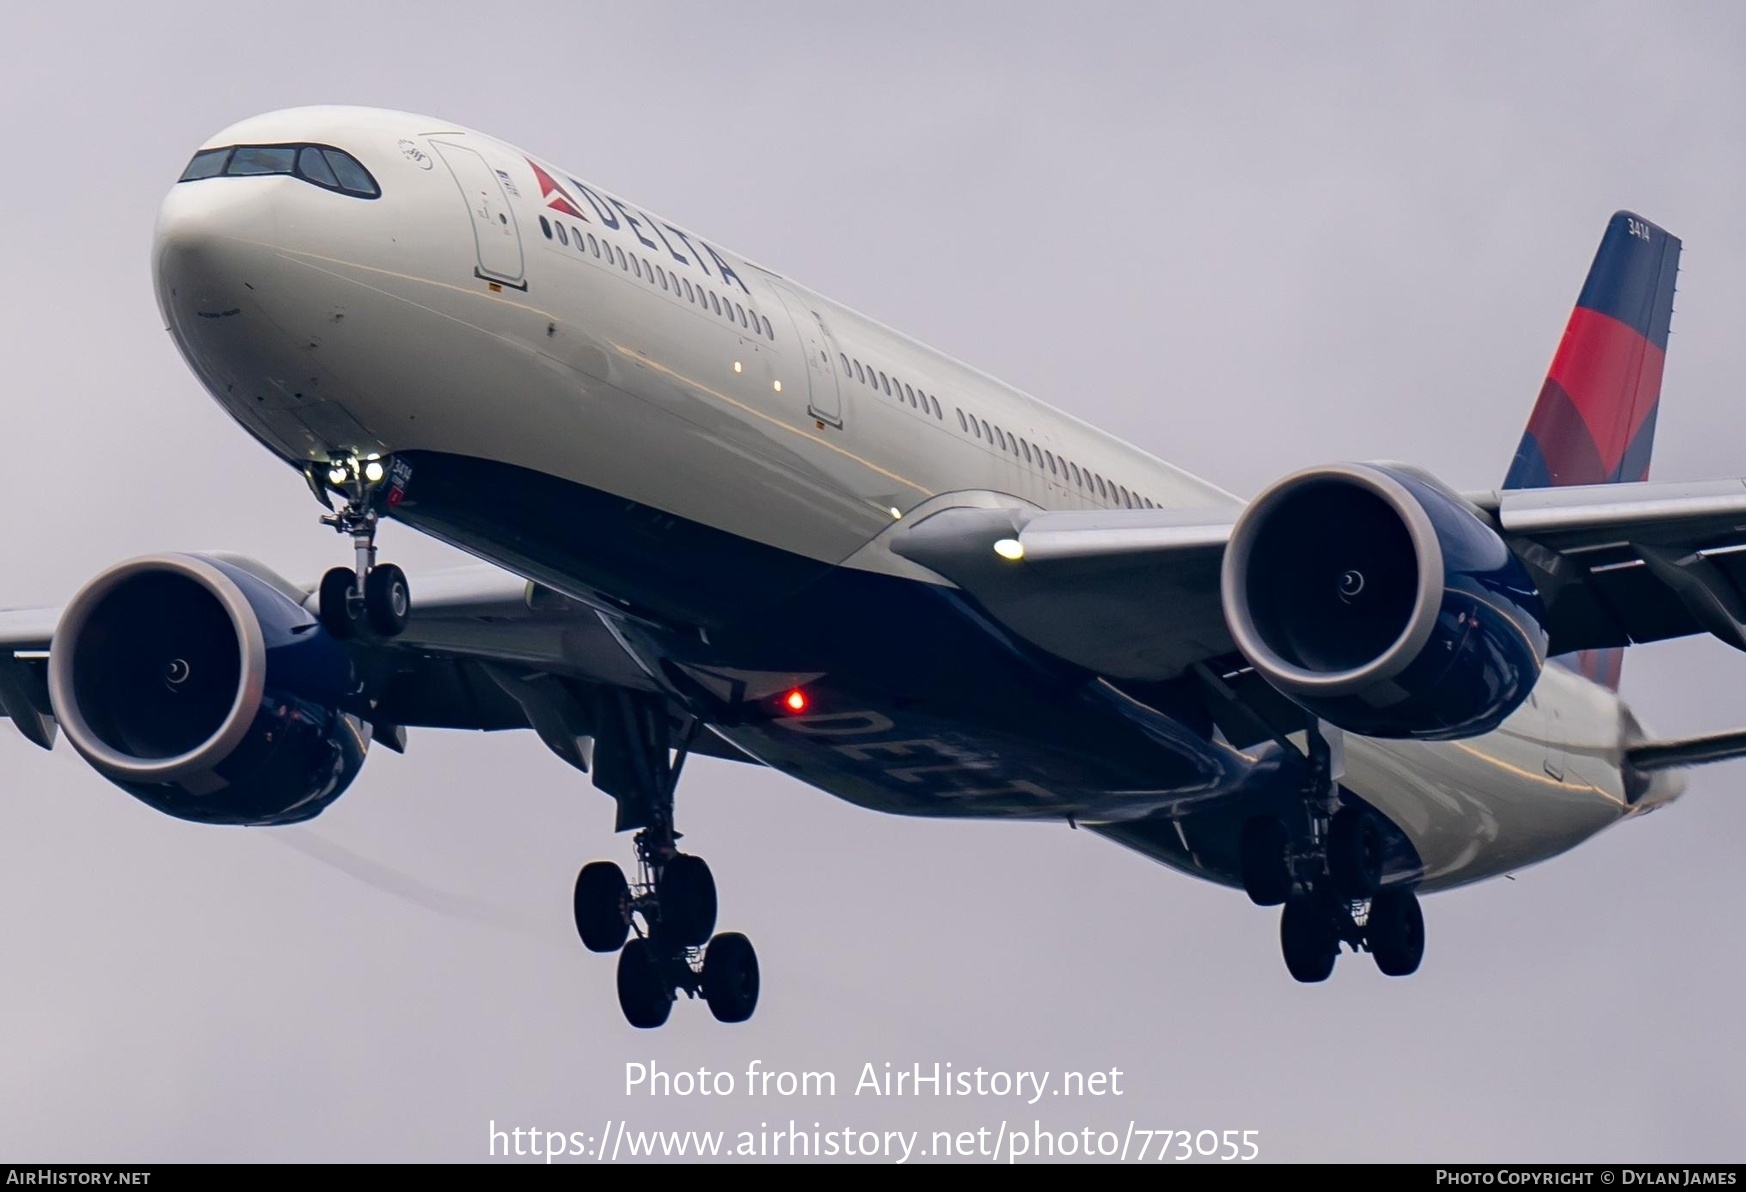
[(366, 595)]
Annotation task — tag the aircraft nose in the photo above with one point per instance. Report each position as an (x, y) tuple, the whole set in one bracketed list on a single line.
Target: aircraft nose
[(208, 232)]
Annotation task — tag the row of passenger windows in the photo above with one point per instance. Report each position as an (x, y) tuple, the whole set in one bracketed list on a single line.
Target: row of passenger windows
[(585, 243), (1038, 457), (890, 386), (1059, 466)]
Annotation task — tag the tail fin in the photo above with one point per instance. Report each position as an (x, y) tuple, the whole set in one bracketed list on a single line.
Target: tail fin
[(1595, 420)]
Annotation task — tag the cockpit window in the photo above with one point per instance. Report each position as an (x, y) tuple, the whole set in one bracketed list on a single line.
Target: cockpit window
[(262, 159), (326, 167), (353, 177), (207, 163), (315, 168)]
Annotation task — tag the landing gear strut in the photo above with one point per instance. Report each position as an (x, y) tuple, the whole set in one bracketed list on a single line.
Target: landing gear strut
[(668, 913), (367, 594), (1328, 876)]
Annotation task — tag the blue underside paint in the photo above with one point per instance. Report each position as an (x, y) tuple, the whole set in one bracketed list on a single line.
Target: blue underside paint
[(921, 704)]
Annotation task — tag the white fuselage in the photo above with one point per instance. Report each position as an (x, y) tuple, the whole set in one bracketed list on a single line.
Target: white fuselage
[(452, 315)]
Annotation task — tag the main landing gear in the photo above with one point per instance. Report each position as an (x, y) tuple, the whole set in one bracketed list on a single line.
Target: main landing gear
[(662, 925), (1328, 876), (368, 595)]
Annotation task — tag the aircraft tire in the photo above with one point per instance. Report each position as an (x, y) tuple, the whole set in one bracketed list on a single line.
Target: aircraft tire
[(387, 599), (1307, 938), (1355, 853), (1261, 861), (600, 899), (688, 904), (643, 993), (335, 602), (1396, 932), (730, 977)]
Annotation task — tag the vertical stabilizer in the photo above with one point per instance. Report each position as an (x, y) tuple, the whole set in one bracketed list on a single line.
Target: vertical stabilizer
[(1594, 422)]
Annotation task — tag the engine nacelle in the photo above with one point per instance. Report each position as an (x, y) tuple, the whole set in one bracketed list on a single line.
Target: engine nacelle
[(206, 691), (1380, 602)]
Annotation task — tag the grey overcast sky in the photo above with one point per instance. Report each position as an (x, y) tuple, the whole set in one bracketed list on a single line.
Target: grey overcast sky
[(1249, 237)]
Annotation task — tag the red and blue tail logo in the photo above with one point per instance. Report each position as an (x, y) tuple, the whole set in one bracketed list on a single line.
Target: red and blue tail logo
[(1595, 420)]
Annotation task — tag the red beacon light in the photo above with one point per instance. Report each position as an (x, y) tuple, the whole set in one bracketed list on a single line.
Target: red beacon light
[(795, 701)]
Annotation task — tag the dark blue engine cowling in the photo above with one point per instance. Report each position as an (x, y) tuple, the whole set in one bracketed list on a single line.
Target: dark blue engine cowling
[(1382, 603), (205, 690)]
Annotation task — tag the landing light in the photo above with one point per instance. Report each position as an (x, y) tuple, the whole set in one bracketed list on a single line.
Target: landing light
[(737, 366), (336, 475), (1010, 548), (779, 386), (795, 701), (373, 471)]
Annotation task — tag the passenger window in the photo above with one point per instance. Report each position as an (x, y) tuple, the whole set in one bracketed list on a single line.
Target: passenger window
[(1076, 478), (986, 433), (885, 384), (1026, 448), (315, 167), (208, 163), (576, 235), (961, 425), (936, 402), (262, 159), (662, 274), (770, 332), (593, 245), (845, 360), (1101, 490), (636, 265), (621, 261), (546, 227), (688, 295), (714, 302), (563, 236), (859, 375)]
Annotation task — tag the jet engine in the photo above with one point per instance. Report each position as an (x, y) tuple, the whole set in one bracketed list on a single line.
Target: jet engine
[(201, 686), (1379, 601)]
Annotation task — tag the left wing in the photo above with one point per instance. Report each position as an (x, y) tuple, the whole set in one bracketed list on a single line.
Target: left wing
[(1134, 593)]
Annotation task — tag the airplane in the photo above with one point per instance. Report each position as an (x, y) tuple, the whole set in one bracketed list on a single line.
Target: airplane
[(717, 513)]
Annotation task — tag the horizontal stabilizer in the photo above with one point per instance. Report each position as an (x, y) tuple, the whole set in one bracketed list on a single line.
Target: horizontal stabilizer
[(1694, 751)]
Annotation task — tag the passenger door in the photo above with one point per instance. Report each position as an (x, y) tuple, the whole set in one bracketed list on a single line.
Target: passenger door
[(495, 235), (824, 399)]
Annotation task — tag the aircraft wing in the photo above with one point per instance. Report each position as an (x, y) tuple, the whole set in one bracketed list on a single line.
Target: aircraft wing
[(1620, 564), (483, 650), (1134, 593)]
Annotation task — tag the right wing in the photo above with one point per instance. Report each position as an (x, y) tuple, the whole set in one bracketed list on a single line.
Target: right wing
[(1134, 593)]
